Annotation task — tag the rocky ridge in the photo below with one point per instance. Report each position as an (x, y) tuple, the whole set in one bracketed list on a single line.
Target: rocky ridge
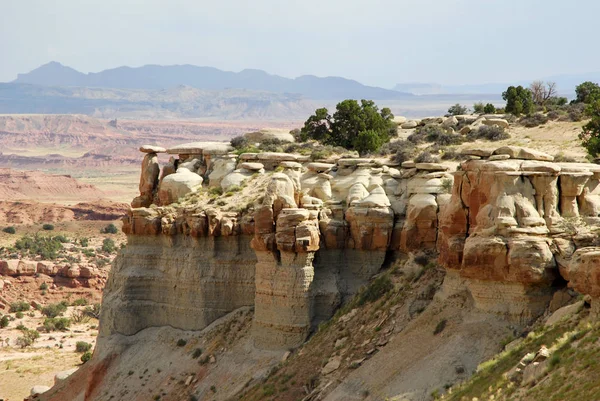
[(511, 227)]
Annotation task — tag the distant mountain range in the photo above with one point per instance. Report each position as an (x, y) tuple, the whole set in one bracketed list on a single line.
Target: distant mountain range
[(155, 77), (565, 83)]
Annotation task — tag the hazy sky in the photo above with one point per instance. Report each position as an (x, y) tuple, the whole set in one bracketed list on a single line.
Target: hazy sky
[(377, 42)]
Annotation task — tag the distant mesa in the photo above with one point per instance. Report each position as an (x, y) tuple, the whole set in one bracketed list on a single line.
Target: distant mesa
[(210, 78)]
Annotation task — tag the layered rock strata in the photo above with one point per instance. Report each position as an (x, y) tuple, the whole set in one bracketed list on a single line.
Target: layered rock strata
[(510, 227)]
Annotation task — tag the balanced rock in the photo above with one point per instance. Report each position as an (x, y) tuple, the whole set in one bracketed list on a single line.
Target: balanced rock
[(152, 149)]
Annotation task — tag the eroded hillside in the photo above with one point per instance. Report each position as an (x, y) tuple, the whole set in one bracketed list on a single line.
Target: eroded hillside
[(272, 249)]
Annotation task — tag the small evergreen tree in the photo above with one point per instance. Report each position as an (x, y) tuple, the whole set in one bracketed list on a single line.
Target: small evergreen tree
[(518, 100)]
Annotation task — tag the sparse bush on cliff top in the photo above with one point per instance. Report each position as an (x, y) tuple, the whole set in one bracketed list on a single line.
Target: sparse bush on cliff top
[(426, 157), (457, 110), (109, 229), (48, 227), (489, 133), (9, 230)]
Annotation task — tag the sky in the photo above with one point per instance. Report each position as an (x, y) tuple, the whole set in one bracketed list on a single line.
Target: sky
[(377, 42)]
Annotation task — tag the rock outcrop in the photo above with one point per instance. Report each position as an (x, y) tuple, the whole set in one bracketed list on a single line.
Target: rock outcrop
[(508, 231), (503, 224)]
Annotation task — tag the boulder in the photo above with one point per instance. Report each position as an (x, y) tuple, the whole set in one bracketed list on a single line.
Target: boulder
[(408, 164), (564, 313), (251, 166), (450, 122), (431, 167), (37, 390), (496, 121), (152, 149), (517, 152), (399, 120), (199, 148), (64, 375), (410, 124), (320, 167), (9, 267), (275, 156), (220, 169), (175, 186), (236, 178), (377, 198), (476, 152)]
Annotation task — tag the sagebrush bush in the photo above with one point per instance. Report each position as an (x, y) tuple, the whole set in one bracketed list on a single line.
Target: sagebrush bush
[(19, 306), (378, 288), (56, 324), (9, 230), (238, 142), (426, 157), (109, 229), (48, 227), (489, 133), (533, 120), (82, 346), (54, 310)]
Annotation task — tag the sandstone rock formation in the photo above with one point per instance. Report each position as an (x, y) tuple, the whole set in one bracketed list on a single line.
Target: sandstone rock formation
[(502, 224)]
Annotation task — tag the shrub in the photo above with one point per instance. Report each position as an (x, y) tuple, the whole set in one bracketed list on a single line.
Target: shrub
[(489, 109), (181, 342), (4, 322), (553, 115), (108, 245), (197, 352), (92, 311), (533, 120), (404, 151), (488, 132), (440, 327), (426, 157), (82, 346), (43, 286), (9, 230), (19, 315), (46, 247), (19, 306), (478, 108), (54, 310), (109, 229), (422, 260), (239, 142), (56, 324), (84, 242), (28, 338), (379, 287), (48, 227), (86, 357), (80, 302), (457, 109)]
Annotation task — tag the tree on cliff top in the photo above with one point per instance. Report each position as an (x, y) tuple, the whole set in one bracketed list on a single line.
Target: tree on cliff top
[(587, 92), (518, 100), (361, 127)]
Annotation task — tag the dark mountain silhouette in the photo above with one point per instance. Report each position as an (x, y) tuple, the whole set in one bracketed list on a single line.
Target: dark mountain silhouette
[(165, 77)]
